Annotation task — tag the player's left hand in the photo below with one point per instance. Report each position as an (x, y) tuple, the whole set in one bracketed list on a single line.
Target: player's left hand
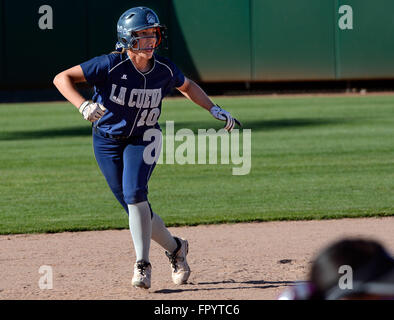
[(224, 115)]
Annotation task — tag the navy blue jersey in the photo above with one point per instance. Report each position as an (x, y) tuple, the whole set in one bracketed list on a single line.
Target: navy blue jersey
[(132, 98)]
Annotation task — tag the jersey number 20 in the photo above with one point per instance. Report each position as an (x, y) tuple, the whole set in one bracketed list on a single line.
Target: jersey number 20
[(149, 117)]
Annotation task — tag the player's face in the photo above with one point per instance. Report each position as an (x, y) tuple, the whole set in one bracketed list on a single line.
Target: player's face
[(147, 44)]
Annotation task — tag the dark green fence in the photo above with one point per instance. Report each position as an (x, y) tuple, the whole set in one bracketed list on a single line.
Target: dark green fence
[(293, 40), (210, 40), (217, 34), (31, 55), (367, 51), (2, 48)]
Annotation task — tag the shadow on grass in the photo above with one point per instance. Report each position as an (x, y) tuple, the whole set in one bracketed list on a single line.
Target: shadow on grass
[(255, 125), (260, 125), (46, 134), (252, 284)]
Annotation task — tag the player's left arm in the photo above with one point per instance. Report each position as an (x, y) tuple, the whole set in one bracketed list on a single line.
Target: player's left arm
[(193, 92)]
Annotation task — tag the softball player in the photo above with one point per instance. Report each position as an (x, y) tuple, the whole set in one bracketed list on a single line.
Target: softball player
[(129, 86)]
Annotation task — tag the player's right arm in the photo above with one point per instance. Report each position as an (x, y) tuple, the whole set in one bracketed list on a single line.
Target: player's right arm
[(65, 82)]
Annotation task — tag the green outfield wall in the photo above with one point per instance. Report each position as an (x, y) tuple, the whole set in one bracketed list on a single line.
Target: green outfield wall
[(2, 48), (366, 51), (210, 40)]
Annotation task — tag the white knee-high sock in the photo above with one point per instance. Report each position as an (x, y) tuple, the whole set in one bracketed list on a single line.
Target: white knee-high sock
[(140, 225), (161, 235)]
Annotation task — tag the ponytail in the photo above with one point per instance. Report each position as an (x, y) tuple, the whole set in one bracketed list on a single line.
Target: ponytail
[(120, 52)]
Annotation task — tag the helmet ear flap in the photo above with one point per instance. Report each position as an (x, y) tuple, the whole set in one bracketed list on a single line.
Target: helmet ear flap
[(126, 44)]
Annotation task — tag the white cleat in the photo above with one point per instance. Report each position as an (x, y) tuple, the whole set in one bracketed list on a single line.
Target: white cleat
[(180, 268), (142, 275)]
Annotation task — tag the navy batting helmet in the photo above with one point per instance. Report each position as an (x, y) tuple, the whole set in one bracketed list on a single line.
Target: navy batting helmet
[(137, 19)]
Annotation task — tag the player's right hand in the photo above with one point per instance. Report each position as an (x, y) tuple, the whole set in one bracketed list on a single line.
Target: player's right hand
[(91, 111)]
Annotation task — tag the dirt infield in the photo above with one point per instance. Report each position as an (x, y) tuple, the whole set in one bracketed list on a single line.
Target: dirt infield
[(230, 261)]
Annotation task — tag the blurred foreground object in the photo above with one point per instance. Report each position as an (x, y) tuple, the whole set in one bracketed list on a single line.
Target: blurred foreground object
[(355, 269)]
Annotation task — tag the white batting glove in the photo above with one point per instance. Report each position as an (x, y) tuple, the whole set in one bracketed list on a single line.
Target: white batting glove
[(224, 115), (91, 111)]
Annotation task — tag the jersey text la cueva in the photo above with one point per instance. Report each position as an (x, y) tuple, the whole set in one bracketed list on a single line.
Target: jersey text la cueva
[(139, 98)]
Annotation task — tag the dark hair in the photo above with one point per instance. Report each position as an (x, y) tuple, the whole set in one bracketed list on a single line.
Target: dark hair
[(367, 258)]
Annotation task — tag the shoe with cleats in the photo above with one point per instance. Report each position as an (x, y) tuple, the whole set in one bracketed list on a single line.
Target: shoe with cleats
[(142, 275), (180, 268)]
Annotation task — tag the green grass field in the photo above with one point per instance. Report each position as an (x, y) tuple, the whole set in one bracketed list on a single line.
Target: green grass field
[(312, 158)]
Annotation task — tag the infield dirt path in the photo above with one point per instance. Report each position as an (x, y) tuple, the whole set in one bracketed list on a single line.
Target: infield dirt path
[(230, 261)]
